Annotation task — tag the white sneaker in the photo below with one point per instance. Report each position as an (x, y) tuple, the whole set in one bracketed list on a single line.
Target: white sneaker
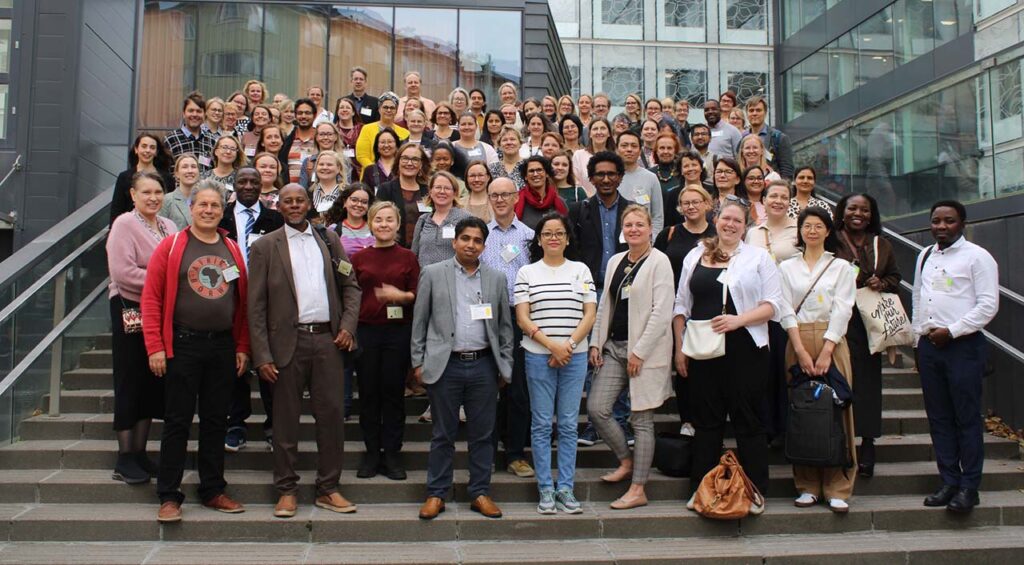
[(687, 430), (805, 500), (838, 505)]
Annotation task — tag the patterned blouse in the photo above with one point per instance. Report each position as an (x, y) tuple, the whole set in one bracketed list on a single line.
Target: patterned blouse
[(794, 207)]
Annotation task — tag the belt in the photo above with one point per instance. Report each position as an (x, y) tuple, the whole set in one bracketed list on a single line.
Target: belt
[(317, 328), (470, 355), (186, 332)]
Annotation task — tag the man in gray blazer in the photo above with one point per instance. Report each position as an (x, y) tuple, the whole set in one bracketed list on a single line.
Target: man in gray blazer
[(461, 349)]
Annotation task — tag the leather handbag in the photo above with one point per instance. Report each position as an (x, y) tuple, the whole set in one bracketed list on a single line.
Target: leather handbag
[(726, 493), (700, 341)]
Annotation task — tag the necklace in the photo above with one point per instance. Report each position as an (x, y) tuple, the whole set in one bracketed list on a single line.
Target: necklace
[(631, 264), (159, 233), (671, 174)]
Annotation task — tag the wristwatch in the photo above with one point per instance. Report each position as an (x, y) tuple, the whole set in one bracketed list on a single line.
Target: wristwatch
[(572, 342)]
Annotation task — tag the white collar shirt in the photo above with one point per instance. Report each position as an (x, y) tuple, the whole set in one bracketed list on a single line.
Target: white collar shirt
[(241, 219), (958, 288), (753, 279), (831, 299), (308, 275)]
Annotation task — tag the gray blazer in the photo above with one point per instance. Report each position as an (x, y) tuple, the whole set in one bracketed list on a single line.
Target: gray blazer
[(433, 319), (175, 208)]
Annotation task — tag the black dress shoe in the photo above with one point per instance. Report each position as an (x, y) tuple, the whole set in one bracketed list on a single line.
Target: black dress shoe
[(369, 466), (964, 501), (941, 496), (391, 466), (866, 470)]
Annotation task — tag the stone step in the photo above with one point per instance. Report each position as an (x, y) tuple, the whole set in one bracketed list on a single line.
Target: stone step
[(94, 486), (101, 453), (391, 523), (990, 545)]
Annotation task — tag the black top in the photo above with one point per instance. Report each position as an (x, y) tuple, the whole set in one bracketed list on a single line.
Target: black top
[(681, 243), (620, 305), (392, 192), (707, 293), (122, 201), (367, 101), (670, 183), (587, 241)]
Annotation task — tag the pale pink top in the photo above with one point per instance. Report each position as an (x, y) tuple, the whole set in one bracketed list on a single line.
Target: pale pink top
[(129, 247)]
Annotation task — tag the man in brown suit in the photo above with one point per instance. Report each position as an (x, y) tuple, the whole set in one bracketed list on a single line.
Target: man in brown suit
[(303, 310)]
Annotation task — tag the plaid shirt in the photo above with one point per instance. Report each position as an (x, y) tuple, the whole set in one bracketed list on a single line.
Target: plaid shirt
[(181, 141)]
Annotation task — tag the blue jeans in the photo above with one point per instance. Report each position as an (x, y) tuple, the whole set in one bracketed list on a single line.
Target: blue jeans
[(555, 391)]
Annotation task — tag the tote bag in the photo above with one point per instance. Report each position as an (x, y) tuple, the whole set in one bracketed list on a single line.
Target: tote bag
[(884, 318)]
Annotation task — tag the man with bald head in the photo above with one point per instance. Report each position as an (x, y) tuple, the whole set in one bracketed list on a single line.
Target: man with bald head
[(303, 310), (507, 250), (246, 220)]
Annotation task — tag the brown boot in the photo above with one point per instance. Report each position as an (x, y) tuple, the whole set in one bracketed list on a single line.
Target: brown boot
[(431, 508)]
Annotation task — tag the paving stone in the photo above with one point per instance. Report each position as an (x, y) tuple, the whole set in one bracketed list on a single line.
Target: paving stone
[(256, 524), (83, 522), (382, 554), (74, 553), (228, 553), (511, 553), (7, 513), (17, 485), (385, 523)]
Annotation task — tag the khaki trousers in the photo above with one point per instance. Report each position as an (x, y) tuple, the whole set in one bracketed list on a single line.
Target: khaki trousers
[(832, 482)]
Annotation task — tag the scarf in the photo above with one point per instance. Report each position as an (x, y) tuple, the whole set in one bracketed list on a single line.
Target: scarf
[(551, 200)]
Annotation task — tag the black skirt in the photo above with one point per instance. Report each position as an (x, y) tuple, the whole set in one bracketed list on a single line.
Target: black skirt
[(867, 380), (138, 393)]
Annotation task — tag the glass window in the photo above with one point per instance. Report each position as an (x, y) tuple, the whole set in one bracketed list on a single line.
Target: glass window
[(683, 75), (1006, 102), (425, 41), (985, 8), (681, 20), (4, 90), (842, 66), (566, 14), (918, 132), (572, 58), (745, 73), (5, 46), (618, 19), (792, 81), (360, 36), (914, 29), (167, 63), (618, 71), (874, 46), (798, 13), (744, 21), (228, 50), (295, 50), (953, 18), (815, 80), (489, 59)]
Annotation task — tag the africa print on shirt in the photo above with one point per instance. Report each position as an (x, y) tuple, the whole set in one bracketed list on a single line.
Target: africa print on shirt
[(206, 276)]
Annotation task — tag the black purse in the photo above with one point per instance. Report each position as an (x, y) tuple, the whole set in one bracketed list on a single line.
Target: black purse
[(814, 427), (672, 454)]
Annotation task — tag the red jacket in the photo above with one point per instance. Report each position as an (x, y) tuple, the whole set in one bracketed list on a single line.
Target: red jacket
[(161, 291)]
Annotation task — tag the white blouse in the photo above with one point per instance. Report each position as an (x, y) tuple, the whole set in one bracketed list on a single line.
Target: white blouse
[(780, 244), (831, 300), (753, 280)]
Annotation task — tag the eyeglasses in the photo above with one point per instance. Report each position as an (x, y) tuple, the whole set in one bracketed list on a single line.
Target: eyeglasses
[(741, 201), (813, 227), (502, 196), (389, 108), (725, 172), (605, 175), (754, 178), (413, 160), (552, 234), (362, 201), (443, 188), (690, 203), (228, 148), (535, 172)]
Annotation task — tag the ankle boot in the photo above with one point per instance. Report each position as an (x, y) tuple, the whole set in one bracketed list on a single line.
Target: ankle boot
[(866, 458), (392, 466), (147, 464), (370, 464), (127, 469)]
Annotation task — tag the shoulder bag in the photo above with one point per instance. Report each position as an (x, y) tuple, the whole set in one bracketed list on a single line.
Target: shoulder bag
[(726, 493), (885, 320), (699, 340)]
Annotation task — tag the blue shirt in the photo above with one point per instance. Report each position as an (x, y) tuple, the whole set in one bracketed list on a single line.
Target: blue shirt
[(470, 334), (609, 217), (518, 235)]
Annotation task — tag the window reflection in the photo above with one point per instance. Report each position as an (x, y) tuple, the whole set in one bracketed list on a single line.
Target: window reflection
[(360, 36), (425, 41), (489, 50), (295, 47), (167, 65)]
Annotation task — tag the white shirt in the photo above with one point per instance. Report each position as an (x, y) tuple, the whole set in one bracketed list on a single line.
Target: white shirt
[(753, 279), (643, 187), (958, 288), (831, 300), (308, 275), (241, 219), (556, 296), (324, 117)]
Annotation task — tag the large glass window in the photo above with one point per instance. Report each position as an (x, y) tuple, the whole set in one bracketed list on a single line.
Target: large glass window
[(798, 13), (426, 42), (566, 14), (986, 8), (743, 21), (683, 75), (914, 29), (618, 71), (681, 20), (618, 19), (874, 46), (360, 36), (229, 47), (489, 59), (842, 66), (295, 49), (167, 64), (5, 64)]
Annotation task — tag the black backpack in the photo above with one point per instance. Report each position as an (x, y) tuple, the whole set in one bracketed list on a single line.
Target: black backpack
[(814, 429)]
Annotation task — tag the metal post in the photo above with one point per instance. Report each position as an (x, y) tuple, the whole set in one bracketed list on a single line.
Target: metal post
[(57, 351)]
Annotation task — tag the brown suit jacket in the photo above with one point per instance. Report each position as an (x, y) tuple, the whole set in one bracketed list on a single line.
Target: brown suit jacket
[(273, 309)]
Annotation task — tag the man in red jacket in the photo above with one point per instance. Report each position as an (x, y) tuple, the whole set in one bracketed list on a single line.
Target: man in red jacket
[(197, 337)]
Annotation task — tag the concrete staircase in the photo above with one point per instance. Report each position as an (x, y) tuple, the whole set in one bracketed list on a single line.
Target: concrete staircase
[(59, 504)]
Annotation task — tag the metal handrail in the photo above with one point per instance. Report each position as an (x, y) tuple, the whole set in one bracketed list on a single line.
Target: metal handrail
[(48, 340), (30, 292)]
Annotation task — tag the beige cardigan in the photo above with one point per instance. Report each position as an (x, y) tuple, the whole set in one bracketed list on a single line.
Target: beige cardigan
[(650, 327)]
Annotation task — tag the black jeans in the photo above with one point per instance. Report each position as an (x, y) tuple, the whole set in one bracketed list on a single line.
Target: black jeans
[(512, 424), (203, 370), (381, 370), (241, 403)]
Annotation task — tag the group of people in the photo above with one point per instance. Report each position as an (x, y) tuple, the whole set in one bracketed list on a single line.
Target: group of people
[(506, 261)]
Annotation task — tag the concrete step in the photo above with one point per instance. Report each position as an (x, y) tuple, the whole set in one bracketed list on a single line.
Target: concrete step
[(990, 545), (94, 486), (101, 453), (399, 522)]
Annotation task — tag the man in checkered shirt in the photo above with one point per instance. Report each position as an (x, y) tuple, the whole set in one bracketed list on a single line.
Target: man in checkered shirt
[(191, 137)]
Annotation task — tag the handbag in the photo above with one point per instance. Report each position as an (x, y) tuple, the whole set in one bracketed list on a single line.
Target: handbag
[(885, 320), (814, 426), (131, 319), (726, 493), (672, 454), (700, 341)]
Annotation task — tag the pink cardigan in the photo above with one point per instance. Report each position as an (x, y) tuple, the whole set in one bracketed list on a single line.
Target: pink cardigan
[(129, 247)]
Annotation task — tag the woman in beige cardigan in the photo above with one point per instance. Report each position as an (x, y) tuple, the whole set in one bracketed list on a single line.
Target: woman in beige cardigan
[(632, 346)]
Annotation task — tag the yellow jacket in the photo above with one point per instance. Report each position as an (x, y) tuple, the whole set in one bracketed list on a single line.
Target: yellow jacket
[(364, 144)]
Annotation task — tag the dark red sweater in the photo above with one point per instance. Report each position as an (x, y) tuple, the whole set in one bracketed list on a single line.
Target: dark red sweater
[(376, 266)]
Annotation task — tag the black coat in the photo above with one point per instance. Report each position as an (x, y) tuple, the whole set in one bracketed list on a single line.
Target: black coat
[(268, 221), (392, 192), (587, 241), (371, 102)]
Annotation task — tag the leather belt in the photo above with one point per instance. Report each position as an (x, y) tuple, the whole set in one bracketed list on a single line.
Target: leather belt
[(186, 332), (317, 328), (470, 355)]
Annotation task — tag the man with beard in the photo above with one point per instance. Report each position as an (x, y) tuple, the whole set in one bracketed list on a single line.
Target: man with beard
[(301, 142), (725, 138), (191, 137)]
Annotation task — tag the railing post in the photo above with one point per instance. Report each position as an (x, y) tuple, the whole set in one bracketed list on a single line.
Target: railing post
[(57, 350)]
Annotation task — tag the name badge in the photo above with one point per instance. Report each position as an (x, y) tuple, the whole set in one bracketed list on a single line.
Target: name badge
[(641, 196), (324, 206), (624, 293), (230, 187), (622, 237), (448, 232), (423, 208), (942, 283), (394, 312), (204, 160), (481, 312), (723, 277), (348, 152), (716, 133), (345, 268), (253, 237), (231, 273), (250, 151), (581, 287), (768, 156), (366, 112), (477, 152), (510, 252)]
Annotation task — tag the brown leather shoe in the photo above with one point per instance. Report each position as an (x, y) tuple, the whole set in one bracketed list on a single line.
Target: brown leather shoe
[(431, 508), (286, 506), (224, 503), (484, 505), (170, 511), (335, 503)]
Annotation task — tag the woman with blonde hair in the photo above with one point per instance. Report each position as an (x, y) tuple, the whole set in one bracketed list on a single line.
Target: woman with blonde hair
[(255, 93), (435, 230), (752, 153), (287, 109), (632, 347), (566, 106), (738, 118), (227, 158), (459, 101), (269, 168), (509, 142), (175, 205), (215, 116), (327, 188)]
